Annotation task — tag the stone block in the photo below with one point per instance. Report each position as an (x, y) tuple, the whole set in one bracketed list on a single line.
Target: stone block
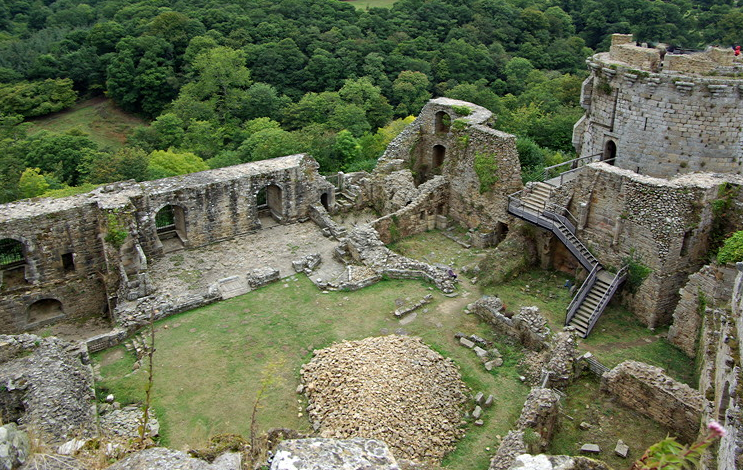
[(590, 448), (478, 398), (481, 353), (333, 454), (621, 449), (477, 413), (262, 276), (466, 342), (14, 446), (489, 401)]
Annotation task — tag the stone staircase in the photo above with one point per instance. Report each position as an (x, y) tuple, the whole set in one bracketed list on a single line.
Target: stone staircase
[(532, 204)]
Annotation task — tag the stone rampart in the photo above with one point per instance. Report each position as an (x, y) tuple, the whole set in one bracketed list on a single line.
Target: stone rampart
[(648, 390)]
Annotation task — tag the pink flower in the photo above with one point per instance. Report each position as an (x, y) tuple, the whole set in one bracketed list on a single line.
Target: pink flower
[(716, 429)]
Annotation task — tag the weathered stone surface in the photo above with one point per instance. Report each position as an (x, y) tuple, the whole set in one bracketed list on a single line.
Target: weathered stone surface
[(14, 447), (364, 389), (647, 389), (590, 448), (125, 422), (621, 449), (333, 454), (511, 447), (47, 387), (263, 276), (540, 413), (160, 458), (477, 413), (467, 343)]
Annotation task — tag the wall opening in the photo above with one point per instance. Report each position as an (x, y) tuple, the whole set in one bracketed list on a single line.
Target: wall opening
[(610, 152), (171, 227), (437, 160), (68, 262), (12, 262), (43, 309), (685, 243), (724, 403), (269, 202), (324, 201), (443, 121)]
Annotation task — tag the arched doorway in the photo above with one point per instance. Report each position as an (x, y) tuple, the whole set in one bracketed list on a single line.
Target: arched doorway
[(610, 152), (437, 160), (170, 222), (43, 309), (324, 201), (443, 121), (12, 262)]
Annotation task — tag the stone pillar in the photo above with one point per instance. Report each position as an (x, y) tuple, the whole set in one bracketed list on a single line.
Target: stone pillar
[(582, 215)]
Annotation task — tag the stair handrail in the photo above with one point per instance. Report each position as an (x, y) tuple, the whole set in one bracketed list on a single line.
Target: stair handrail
[(615, 283), (587, 261), (574, 164), (570, 221), (581, 294)]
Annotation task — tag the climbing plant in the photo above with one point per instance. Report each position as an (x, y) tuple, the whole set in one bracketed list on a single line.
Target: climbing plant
[(637, 272), (486, 168)]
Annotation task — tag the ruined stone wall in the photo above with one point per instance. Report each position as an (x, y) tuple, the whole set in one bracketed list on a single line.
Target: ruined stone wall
[(50, 231), (662, 224), (662, 124), (721, 377), (648, 390), (444, 140), (83, 253), (710, 286)]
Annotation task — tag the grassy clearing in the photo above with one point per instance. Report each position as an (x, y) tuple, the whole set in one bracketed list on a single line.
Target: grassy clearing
[(366, 4), (107, 125), (211, 362), (609, 422)]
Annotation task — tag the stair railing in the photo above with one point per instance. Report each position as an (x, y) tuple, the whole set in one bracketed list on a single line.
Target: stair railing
[(585, 288), (565, 216), (615, 283)]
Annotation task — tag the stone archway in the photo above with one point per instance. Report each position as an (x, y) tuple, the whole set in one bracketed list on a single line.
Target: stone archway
[(443, 121), (324, 200), (270, 203), (437, 159), (610, 152)]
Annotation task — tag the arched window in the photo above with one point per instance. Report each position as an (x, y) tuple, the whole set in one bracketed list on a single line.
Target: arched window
[(12, 262), (43, 309), (443, 121), (170, 222)]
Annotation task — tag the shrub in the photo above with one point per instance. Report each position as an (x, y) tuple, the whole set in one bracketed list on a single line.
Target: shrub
[(486, 168), (732, 249), (462, 110), (637, 272)]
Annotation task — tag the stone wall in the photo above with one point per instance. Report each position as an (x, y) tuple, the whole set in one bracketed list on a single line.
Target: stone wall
[(678, 120), (648, 390), (445, 140), (710, 286), (83, 253), (662, 224)]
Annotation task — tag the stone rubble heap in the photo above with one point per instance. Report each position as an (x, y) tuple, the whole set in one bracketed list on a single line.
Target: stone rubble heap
[(402, 311), (392, 388)]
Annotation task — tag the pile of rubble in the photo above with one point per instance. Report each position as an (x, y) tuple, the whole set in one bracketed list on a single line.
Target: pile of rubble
[(392, 388)]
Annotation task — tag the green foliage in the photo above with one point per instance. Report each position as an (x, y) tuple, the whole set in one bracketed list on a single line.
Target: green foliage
[(701, 302), (37, 98), (732, 249), (462, 110), (670, 454), (347, 147), (486, 168), (637, 272), (165, 163), (70, 190), (124, 164), (32, 183), (604, 87), (723, 212), (459, 125), (116, 231)]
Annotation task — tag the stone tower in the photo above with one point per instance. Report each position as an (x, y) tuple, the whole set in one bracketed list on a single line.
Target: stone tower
[(662, 113)]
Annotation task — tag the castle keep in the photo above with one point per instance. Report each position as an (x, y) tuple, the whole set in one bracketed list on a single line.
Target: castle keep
[(661, 114)]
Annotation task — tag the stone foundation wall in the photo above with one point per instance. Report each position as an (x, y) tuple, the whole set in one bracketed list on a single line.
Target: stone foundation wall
[(648, 390), (710, 286)]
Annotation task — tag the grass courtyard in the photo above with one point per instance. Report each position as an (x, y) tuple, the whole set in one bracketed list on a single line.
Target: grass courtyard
[(211, 362)]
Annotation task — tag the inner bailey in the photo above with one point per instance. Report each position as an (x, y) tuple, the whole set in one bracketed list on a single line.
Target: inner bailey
[(661, 113)]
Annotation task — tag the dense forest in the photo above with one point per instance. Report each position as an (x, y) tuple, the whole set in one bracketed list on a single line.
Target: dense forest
[(225, 82)]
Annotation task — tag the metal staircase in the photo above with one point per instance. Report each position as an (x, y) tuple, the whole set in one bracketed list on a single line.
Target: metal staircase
[(532, 204)]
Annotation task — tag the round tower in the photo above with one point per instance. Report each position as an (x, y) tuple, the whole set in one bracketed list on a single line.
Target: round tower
[(660, 112)]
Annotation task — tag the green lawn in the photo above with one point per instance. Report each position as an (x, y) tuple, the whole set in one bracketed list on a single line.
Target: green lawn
[(106, 124), (211, 362)]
